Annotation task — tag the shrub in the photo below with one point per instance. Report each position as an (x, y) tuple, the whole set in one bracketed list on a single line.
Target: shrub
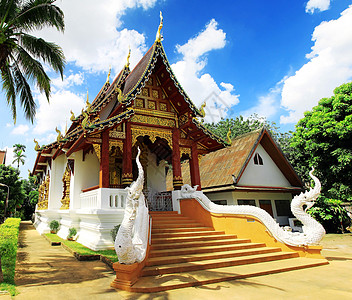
[(330, 214), (71, 232), (54, 226), (114, 231), (8, 248)]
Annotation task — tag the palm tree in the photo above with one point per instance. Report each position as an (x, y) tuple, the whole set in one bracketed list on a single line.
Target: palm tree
[(20, 51), (18, 147), (19, 158)]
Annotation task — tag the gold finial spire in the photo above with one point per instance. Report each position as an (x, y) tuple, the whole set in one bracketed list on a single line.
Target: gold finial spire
[(159, 37), (108, 78), (59, 135), (128, 57), (72, 116), (201, 109), (36, 147), (66, 127), (88, 105), (229, 141)]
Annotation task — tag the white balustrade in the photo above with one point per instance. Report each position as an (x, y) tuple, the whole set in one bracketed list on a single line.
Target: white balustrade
[(104, 198)]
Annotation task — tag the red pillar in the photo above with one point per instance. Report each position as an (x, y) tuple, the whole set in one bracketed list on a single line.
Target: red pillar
[(176, 160), (104, 161), (127, 175), (194, 167)]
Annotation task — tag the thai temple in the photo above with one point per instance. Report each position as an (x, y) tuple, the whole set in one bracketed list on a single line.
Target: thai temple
[(84, 174)]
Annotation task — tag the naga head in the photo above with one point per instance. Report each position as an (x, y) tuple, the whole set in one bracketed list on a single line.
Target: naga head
[(136, 187), (308, 198)]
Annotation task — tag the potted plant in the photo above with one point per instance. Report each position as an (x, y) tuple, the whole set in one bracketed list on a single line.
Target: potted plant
[(54, 226), (71, 233)]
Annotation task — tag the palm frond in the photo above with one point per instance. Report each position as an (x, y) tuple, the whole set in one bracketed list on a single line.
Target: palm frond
[(24, 92), (33, 71), (36, 14), (49, 52), (9, 88), (8, 10)]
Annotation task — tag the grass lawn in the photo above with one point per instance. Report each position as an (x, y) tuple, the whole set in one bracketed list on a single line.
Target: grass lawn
[(80, 249), (8, 250)]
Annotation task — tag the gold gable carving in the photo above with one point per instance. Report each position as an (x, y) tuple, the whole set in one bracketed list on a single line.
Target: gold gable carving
[(152, 120), (152, 133)]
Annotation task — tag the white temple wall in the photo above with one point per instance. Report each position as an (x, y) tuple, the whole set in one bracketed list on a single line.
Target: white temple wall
[(156, 177), (56, 186), (86, 174), (267, 174)]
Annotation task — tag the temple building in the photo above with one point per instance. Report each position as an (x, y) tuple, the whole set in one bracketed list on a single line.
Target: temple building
[(85, 171)]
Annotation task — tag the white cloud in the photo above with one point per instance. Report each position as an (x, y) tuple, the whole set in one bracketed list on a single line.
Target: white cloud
[(320, 5), (68, 81), (8, 125), (329, 65), (91, 39), (20, 129), (58, 112), (202, 87)]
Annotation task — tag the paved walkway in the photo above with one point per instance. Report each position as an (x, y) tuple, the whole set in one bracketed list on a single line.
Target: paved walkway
[(45, 272)]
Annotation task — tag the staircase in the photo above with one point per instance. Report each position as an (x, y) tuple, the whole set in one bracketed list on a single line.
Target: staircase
[(185, 253)]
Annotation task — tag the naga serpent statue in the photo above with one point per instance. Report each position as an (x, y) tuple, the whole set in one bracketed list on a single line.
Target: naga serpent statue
[(313, 232), (132, 237)]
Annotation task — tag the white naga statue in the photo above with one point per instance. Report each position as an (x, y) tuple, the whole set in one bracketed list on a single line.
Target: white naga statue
[(313, 232), (132, 238)]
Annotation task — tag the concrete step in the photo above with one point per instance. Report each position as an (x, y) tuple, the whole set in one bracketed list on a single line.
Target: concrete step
[(204, 249), (175, 259), (166, 282), (186, 229), (176, 240), (185, 234), (199, 244), (172, 221), (176, 225), (215, 263)]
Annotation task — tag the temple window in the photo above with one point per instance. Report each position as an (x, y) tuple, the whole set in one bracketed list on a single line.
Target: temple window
[(258, 159)]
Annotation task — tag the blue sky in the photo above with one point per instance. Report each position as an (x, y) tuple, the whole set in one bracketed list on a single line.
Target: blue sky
[(274, 58)]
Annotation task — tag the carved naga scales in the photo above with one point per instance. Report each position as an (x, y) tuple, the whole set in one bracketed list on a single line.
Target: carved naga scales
[(132, 237), (313, 232)]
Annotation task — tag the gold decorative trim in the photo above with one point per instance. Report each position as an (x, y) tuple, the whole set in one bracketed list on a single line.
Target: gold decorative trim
[(117, 134), (97, 150), (152, 133), (155, 113), (66, 179), (153, 120), (186, 151), (116, 143)]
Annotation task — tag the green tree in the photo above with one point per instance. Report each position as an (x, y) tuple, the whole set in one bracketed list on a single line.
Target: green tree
[(241, 125), (323, 139), (18, 147), (10, 177), (20, 51), (19, 156), (30, 188)]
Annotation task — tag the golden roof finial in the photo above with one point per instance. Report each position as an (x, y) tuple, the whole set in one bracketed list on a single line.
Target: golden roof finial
[(88, 105), (66, 127), (229, 141), (59, 135), (201, 109), (72, 116), (159, 37), (128, 57), (108, 78), (36, 147)]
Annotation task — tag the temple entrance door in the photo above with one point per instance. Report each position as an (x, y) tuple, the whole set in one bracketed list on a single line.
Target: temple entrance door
[(161, 201)]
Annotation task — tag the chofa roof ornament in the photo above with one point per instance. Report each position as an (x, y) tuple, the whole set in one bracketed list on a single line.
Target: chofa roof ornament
[(159, 36)]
